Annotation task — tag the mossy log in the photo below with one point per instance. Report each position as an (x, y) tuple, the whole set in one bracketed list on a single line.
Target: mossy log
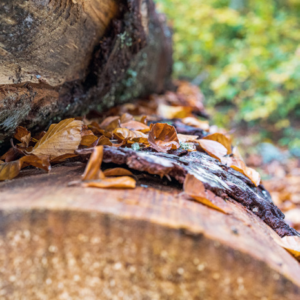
[(61, 58), (60, 242)]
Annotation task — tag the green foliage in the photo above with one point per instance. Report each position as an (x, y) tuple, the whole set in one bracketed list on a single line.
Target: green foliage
[(250, 55)]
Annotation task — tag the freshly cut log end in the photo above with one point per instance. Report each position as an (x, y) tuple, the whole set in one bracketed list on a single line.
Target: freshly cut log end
[(63, 58), (147, 243)]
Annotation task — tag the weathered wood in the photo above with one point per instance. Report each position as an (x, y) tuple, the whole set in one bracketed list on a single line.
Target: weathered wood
[(60, 242), (62, 58)]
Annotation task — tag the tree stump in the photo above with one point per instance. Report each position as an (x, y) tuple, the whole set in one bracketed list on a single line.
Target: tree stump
[(60, 242), (63, 58)]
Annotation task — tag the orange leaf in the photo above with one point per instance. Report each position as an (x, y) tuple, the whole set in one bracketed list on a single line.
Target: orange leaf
[(163, 137), (289, 243), (103, 140), (194, 122), (108, 121), (123, 133), (12, 169), (62, 158), (241, 167), (184, 138), (62, 138), (195, 189), (173, 112), (88, 140), (21, 133), (92, 170), (126, 118), (136, 126), (117, 172), (220, 138), (213, 148), (123, 182)]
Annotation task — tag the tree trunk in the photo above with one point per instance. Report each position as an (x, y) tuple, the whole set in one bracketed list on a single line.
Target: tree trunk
[(61, 58), (60, 242)]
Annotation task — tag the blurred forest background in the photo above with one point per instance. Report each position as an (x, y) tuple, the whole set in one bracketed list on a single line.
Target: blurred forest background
[(245, 56)]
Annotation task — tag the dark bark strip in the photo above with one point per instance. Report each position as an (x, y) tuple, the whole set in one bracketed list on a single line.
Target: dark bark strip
[(218, 178)]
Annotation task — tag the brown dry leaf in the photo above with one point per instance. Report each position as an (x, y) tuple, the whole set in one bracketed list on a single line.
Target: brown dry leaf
[(163, 137), (289, 243), (62, 138), (123, 133), (241, 167), (136, 126), (12, 154), (92, 170), (195, 189), (126, 117), (194, 122), (220, 138), (103, 140), (62, 158), (213, 148), (185, 138), (12, 169), (108, 121), (88, 140), (173, 112), (117, 172), (23, 135), (123, 182)]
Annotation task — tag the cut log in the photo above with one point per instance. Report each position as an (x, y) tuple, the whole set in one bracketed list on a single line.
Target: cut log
[(63, 57), (60, 242)]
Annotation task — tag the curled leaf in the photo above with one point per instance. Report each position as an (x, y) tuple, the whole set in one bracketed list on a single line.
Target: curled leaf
[(103, 140), (185, 138), (117, 172), (194, 122), (163, 137), (173, 112), (123, 182), (12, 169), (92, 170), (108, 121), (290, 244), (213, 148), (126, 117), (220, 138), (240, 166), (23, 135), (136, 126), (88, 140), (123, 133), (195, 189), (62, 138)]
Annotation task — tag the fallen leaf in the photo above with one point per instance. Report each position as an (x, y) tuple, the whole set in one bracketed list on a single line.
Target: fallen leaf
[(62, 158), (123, 182), (92, 170), (213, 148), (195, 189), (117, 172), (103, 140), (185, 138), (163, 137), (22, 135), (12, 169), (194, 122), (220, 138), (88, 140), (12, 154), (62, 138), (289, 243), (108, 121), (126, 117), (136, 126), (123, 133), (241, 167), (173, 112)]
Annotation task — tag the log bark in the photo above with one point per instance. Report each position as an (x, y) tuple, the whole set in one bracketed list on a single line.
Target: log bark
[(61, 242), (62, 58)]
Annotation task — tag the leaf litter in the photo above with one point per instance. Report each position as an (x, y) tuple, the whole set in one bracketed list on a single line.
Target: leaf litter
[(163, 136)]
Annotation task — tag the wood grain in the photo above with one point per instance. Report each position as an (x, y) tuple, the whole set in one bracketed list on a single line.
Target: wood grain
[(60, 242)]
